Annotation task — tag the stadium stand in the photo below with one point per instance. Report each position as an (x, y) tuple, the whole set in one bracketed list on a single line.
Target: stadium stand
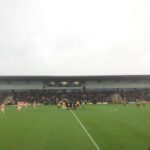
[(52, 89)]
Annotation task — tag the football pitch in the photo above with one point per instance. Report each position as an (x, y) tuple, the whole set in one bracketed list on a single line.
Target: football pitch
[(95, 127)]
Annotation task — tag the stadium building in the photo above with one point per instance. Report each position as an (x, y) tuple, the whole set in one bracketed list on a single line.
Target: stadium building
[(69, 83), (92, 89)]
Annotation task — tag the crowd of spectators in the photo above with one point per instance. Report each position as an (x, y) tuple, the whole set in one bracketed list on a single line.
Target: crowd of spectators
[(3, 95), (53, 97)]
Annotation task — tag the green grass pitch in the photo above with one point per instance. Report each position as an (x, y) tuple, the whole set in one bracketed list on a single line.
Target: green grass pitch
[(113, 127)]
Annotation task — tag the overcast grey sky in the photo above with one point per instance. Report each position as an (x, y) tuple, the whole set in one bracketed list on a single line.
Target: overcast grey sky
[(74, 37)]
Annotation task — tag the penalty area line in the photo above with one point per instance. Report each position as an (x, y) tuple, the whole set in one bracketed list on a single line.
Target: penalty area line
[(85, 130)]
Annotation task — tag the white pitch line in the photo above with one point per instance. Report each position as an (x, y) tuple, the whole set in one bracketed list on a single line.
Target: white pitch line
[(85, 130)]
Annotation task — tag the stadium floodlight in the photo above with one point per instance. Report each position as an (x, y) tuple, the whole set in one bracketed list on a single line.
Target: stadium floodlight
[(76, 83), (64, 83), (52, 83)]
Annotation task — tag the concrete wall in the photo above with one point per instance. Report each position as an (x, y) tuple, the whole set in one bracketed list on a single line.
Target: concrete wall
[(113, 84), (67, 88), (21, 85), (38, 85)]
